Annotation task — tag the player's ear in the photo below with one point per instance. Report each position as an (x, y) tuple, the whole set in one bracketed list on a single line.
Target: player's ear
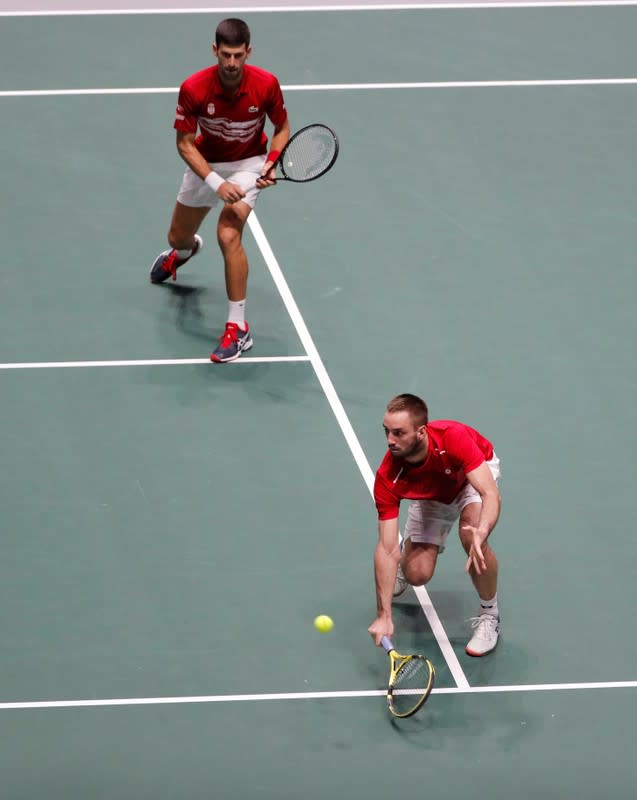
[(214, 49), (248, 51)]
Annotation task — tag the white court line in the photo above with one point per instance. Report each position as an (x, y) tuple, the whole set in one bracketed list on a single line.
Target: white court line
[(346, 427), (245, 698), (149, 362), (339, 87), (349, 7)]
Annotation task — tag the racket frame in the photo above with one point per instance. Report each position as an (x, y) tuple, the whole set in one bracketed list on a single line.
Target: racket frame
[(279, 162), (397, 662)]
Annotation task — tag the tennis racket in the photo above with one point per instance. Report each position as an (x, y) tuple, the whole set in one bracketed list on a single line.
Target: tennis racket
[(310, 153), (411, 680)]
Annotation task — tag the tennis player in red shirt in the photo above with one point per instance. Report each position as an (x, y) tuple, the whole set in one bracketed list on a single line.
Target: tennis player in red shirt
[(450, 472), (220, 122)]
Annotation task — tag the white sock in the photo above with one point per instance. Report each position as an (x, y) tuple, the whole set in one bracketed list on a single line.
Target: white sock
[(236, 313), (490, 606), (183, 253)]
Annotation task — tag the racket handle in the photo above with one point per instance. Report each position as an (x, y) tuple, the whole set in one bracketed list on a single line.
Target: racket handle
[(387, 644)]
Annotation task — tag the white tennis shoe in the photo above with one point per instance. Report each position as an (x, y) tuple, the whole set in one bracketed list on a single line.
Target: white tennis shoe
[(486, 634), (400, 584)]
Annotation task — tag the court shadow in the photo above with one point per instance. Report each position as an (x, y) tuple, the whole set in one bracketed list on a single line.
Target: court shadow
[(272, 382), (424, 721), (201, 385), (409, 617), (453, 605), (511, 662), (189, 317)]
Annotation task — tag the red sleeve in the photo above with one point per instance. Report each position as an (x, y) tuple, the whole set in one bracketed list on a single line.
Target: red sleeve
[(387, 502), (186, 115), (276, 110), (462, 447)]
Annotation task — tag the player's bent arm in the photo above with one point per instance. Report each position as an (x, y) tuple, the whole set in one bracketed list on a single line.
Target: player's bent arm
[(483, 482), (189, 153), (228, 192), (280, 137)]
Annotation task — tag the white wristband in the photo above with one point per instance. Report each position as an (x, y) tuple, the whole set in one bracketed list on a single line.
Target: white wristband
[(214, 181)]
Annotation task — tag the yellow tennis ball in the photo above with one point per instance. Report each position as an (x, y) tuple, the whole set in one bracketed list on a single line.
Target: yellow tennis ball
[(323, 623)]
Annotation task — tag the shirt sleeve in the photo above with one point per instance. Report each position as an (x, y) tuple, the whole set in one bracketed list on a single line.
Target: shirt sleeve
[(186, 115), (276, 109), (387, 502), (462, 447)]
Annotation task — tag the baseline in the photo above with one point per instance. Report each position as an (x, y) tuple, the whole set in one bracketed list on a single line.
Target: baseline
[(243, 698), (149, 362)]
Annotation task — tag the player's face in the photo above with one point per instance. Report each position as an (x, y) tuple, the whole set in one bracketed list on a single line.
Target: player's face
[(404, 439), (231, 60)]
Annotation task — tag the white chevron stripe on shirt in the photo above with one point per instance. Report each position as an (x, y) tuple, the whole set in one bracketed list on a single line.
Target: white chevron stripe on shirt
[(231, 131)]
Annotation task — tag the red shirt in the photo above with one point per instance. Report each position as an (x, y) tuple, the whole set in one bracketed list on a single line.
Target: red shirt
[(230, 128), (454, 449)]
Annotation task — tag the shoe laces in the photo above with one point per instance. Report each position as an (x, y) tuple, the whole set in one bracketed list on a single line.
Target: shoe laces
[(170, 264), (483, 621), (230, 335)]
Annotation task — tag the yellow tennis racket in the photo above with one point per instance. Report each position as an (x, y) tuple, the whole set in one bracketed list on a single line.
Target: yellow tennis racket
[(411, 680)]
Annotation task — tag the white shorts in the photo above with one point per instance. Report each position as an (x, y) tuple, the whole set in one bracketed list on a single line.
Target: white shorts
[(429, 521), (196, 193)]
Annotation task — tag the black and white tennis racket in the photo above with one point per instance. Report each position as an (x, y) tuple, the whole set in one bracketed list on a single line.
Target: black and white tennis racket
[(411, 680), (310, 153)]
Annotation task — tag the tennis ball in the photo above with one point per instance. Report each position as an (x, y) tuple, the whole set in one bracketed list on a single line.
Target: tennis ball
[(323, 623)]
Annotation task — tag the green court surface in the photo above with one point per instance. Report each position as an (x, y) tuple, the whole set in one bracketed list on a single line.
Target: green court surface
[(171, 529)]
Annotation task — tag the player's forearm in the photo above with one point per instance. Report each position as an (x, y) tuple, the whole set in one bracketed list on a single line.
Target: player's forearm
[(194, 159), (280, 137), (490, 512), (385, 568)]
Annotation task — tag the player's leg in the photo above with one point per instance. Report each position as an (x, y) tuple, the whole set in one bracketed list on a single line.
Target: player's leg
[(185, 222), (230, 227), (236, 337), (418, 562), (486, 583), (426, 530), (183, 238), (486, 624)]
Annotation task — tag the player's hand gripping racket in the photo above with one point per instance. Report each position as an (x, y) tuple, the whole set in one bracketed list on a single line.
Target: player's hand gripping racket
[(411, 680), (310, 153)]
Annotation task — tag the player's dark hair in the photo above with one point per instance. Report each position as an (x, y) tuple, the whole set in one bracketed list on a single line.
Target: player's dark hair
[(415, 407), (233, 32)]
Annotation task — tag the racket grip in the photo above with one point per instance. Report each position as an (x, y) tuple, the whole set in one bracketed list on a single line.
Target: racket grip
[(387, 644)]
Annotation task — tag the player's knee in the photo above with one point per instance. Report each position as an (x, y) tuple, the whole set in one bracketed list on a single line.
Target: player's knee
[(228, 238), (418, 574)]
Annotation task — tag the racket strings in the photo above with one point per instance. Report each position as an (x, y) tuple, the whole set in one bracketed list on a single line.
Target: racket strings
[(413, 680), (309, 154)]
